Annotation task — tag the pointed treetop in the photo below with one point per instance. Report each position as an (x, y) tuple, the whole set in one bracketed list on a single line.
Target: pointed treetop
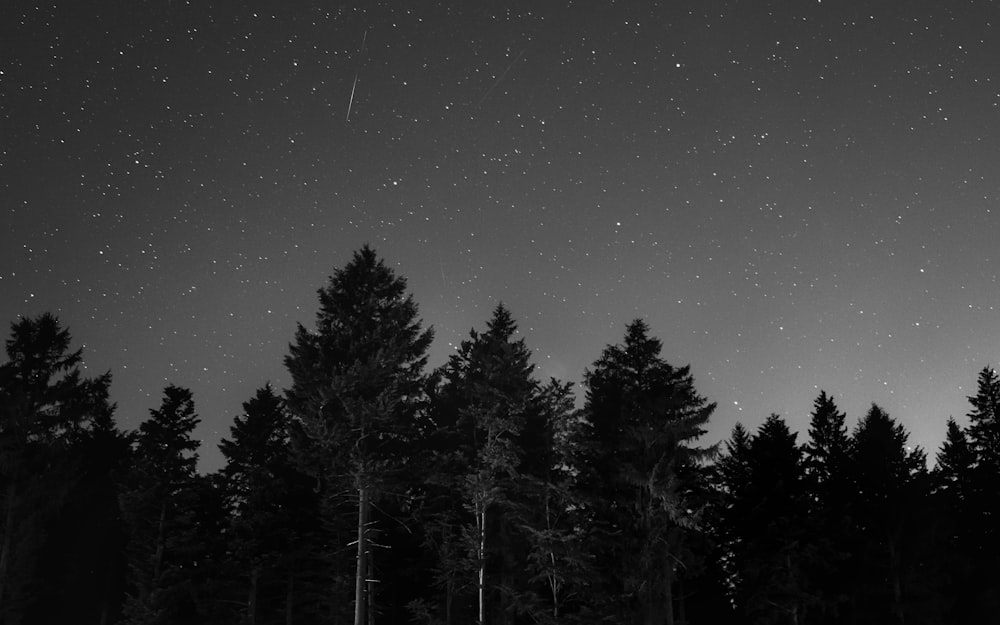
[(955, 457), (502, 323), (39, 348), (739, 441), (828, 437)]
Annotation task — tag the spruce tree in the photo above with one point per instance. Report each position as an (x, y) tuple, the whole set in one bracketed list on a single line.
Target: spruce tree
[(830, 531), (356, 382), (46, 409), (984, 491), (272, 507), (772, 558), (638, 467), (891, 481), (489, 387), (158, 505), (958, 542)]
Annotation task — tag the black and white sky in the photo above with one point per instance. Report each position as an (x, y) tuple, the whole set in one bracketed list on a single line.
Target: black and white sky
[(795, 195)]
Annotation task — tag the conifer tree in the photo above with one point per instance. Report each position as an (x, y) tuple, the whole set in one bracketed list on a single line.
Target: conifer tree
[(46, 407), (157, 506), (828, 480), (488, 384), (772, 559), (957, 541), (271, 504), (556, 558), (638, 467), (983, 492), (356, 382), (733, 479), (890, 480)]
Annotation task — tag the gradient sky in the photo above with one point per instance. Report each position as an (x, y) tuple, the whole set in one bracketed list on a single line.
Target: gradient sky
[(795, 195)]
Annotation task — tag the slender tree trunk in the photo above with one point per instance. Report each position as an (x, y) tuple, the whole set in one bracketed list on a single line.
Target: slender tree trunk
[(668, 593), (252, 596), (8, 531), (161, 531), (361, 573), (290, 600), (371, 585), (553, 580), (482, 563)]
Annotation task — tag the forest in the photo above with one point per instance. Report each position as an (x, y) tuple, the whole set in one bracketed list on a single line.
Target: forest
[(374, 490)]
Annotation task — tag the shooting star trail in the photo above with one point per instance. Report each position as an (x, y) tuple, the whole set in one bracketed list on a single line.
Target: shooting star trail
[(357, 72), (498, 80)]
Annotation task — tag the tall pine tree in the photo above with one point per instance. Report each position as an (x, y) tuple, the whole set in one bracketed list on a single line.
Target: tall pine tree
[(489, 388), (46, 408), (830, 533), (890, 481), (157, 506), (273, 510), (356, 382), (638, 467)]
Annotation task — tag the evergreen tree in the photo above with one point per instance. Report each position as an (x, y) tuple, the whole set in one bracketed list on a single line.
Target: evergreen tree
[(46, 407), (492, 396), (957, 542), (556, 560), (638, 469), (891, 482), (273, 508), (984, 492), (772, 558), (830, 533), (81, 567), (157, 505), (356, 382), (733, 479)]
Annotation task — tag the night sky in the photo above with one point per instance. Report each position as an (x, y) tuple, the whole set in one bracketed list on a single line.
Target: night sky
[(795, 195)]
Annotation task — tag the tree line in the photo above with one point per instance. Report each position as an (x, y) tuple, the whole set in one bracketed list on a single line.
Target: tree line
[(373, 490)]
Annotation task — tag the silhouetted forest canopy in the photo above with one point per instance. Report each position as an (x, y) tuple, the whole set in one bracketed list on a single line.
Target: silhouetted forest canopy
[(374, 490)]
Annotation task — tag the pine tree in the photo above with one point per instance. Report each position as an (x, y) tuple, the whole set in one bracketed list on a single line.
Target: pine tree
[(732, 473), (890, 481), (272, 506), (957, 541), (46, 407), (157, 505), (638, 467), (771, 525), (828, 480), (983, 491), (356, 382), (488, 384), (559, 566)]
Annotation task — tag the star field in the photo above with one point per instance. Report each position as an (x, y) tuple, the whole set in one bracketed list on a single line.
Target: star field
[(795, 195)]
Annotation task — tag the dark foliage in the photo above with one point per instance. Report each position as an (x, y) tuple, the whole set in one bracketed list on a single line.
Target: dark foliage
[(374, 492)]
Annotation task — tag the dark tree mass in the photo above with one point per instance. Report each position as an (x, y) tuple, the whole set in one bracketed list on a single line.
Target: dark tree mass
[(375, 489)]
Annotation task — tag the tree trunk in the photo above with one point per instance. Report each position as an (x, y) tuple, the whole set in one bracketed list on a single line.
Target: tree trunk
[(668, 593), (361, 573), (290, 600), (371, 585), (161, 531), (482, 563), (8, 531), (252, 596)]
